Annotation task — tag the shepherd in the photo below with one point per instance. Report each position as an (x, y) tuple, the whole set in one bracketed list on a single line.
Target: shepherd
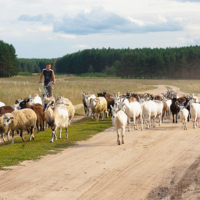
[(49, 76)]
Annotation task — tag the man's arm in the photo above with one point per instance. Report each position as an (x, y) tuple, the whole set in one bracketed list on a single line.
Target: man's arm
[(53, 76), (41, 77)]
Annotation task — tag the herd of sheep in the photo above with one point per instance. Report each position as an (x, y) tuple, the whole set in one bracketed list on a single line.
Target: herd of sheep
[(29, 113), (57, 113), (142, 109)]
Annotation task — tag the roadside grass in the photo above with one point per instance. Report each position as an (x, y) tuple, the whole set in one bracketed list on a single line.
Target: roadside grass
[(13, 154)]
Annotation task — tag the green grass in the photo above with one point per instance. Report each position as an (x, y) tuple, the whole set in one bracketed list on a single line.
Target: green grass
[(13, 154), (25, 74)]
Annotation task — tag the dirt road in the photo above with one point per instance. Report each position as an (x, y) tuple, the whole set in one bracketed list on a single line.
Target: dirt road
[(158, 163)]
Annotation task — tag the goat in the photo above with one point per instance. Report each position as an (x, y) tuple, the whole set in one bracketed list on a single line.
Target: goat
[(119, 121), (184, 113), (57, 117), (174, 108)]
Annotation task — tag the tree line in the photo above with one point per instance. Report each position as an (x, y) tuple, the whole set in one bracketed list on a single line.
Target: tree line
[(171, 63), (34, 65), (8, 60)]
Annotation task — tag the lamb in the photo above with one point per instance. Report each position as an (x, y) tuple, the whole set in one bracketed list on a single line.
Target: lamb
[(98, 105), (68, 104), (20, 120), (184, 113), (119, 121), (3, 129), (195, 112), (57, 117)]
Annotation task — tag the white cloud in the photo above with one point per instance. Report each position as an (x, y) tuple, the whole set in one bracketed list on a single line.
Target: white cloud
[(139, 22), (66, 36), (81, 46), (162, 19)]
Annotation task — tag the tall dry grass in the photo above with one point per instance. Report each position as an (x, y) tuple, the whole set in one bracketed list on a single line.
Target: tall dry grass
[(73, 87)]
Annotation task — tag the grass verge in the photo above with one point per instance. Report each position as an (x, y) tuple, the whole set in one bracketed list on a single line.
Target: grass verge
[(13, 154)]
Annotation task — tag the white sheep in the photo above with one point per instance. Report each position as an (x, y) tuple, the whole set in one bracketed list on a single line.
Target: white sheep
[(119, 121), (24, 119), (3, 130), (98, 105), (57, 117)]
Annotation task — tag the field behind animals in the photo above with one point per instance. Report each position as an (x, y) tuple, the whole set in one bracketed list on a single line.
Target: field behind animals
[(73, 87)]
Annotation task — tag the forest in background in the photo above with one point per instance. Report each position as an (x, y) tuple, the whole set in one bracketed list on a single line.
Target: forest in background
[(8, 60), (170, 63)]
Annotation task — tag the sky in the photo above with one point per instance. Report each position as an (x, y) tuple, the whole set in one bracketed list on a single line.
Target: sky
[(54, 28)]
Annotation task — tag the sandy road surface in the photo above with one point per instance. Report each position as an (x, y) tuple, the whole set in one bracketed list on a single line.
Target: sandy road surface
[(158, 163)]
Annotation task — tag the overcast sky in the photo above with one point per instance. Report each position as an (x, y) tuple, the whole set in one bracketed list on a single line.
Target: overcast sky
[(53, 28)]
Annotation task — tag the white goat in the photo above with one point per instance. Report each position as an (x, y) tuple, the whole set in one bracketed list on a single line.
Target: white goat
[(195, 112), (87, 100), (150, 112), (2, 104), (183, 116), (133, 110), (159, 105), (57, 117), (119, 121)]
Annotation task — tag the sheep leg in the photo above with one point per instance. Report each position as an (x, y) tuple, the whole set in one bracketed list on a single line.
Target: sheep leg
[(66, 133), (141, 123), (173, 118), (8, 135), (176, 118), (1, 136), (123, 131), (31, 135), (12, 142), (194, 122), (21, 135)]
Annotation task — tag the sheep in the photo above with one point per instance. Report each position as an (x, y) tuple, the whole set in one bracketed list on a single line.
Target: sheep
[(38, 109), (184, 113), (3, 129), (98, 105), (20, 120), (174, 109), (68, 104), (84, 104), (119, 121), (57, 117)]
